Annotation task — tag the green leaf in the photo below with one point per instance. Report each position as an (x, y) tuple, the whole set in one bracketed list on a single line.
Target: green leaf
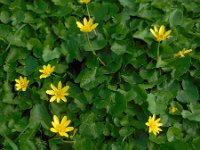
[(189, 93), (8, 95), (158, 104), (144, 35), (180, 66), (194, 114), (5, 16), (11, 143), (176, 17), (39, 116), (50, 54), (140, 94), (119, 103), (60, 2), (196, 143), (83, 143), (173, 134), (175, 145), (35, 45), (119, 47), (125, 131), (30, 65), (90, 78), (158, 139)]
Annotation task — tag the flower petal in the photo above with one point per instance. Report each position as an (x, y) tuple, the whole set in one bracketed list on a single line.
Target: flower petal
[(64, 119), (53, 130), (53, 98), (79, 24), (162, 30), (59, 85), (55, 119), (85, 22), (153, 32), (68, 129), (50, 92), (53, 87)]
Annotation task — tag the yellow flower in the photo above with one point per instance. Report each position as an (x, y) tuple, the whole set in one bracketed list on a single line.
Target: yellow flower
[(154, 125), (21, 83), (160, 34), (173, 109), (182, 53), (61, 127), (85, 1), (58, 93), (47, 70), (87, 25)]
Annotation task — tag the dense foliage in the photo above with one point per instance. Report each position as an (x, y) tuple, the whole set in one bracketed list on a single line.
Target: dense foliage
[(114, 86)]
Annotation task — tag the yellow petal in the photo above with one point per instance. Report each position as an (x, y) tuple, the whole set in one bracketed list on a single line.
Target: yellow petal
[(53, 130), (85, 21), (155, 29), (162, 30), (42, 71), (53, 87), (167, 33), (59, 85), (17, 80), (94, 26), (79, 24), (50, 92), (55, 119), (154, 116), (187, 51), (68, 129), (54, 124), (90, 21), (154, 34), (64, 119), (65, 89), (64, 99), (64, 134), (67, 123), (42, 76), (53, 98), (24, 89), (58, 100)]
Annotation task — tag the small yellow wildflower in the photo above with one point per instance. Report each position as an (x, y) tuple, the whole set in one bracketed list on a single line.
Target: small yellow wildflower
[(173, 109), (182, 52), (154, 125), (58, 93), (160, 34), (87, 25), (85, 1), (21, 83), (47, 70), (61, 127)]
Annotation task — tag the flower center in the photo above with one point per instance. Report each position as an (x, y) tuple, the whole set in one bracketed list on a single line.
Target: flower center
[(87, 28), (58, 93), (23, 84), (60, 128), (47, 72), (152, 125)]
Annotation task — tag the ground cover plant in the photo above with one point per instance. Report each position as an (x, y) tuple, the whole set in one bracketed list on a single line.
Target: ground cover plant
[(102, 75)]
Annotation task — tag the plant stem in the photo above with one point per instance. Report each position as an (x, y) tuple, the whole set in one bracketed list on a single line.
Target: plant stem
[(18, 30), (158, 51), (88, 12), (94, 53)]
